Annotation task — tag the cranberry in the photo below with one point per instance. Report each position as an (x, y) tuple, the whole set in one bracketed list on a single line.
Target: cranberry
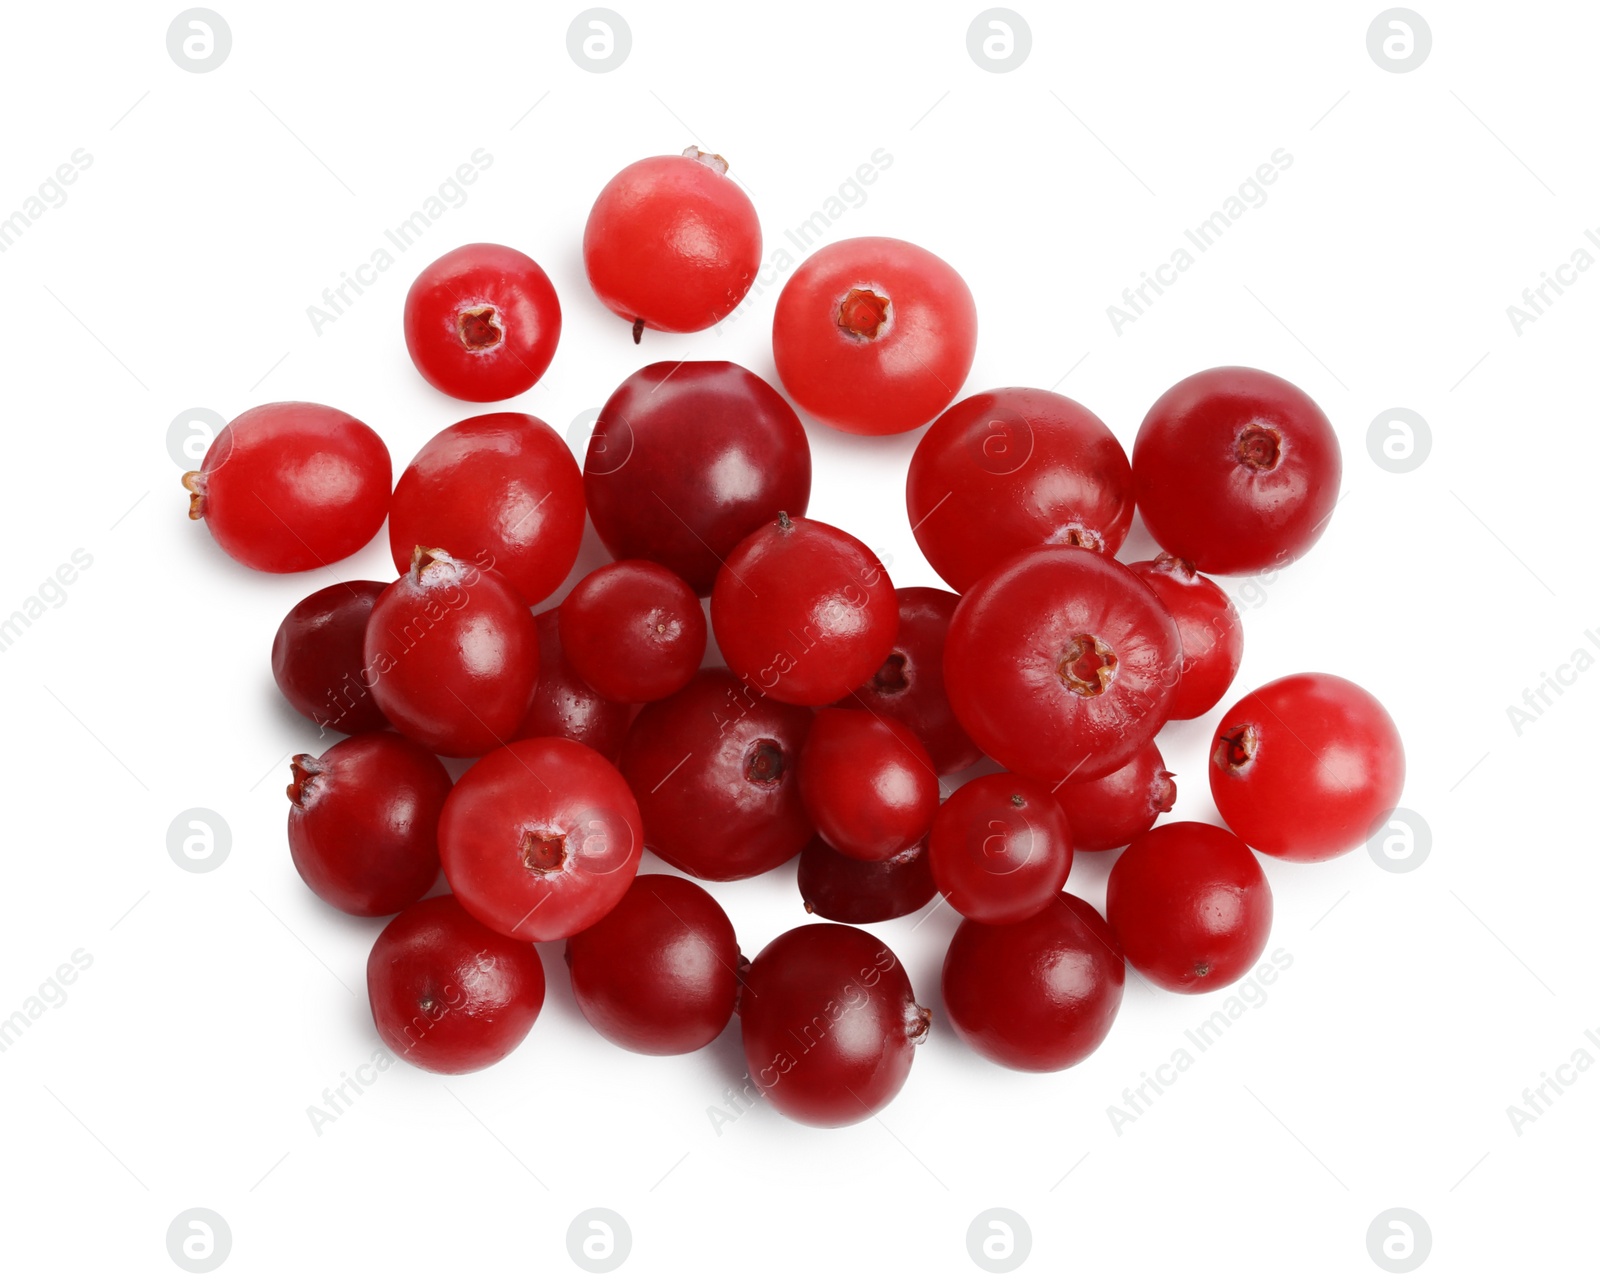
[(540, 839), (448, 994), (634, 631), (482, 322), (316, 657), (1190, 906), (291, 486), (1059, 663), (499, 490), (845, 889), (1000, 849), (874, 335), (829, 1024), (803, 611), (1113, 810), (689, 457), (1307, 767), (1236, 470), (1006, 470), (868, 785), (1039, 994), (363, 827), (566, 705), (1209, 629), (659, 974), (452, 655), (672, 243), (713, 768)]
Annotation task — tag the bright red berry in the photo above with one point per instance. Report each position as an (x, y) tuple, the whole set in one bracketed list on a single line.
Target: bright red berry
[(634, 631), (566, 705), (1000, 848), (868, 785), (1114, 809), (1209, 629), (317, 657)]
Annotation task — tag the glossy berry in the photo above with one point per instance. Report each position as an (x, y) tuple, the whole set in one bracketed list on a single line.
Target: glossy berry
[(454, 653), (1236, 470), (1209, 630), (672, 243), (1004, 471), (565, 705), (634, 631), (874, 335), (499, 490), (1190, 906), (1307, 767), (291, 486), (842, 888), (1114, 809), (540, 839), (364, 821), (482, 322), (659, 974), (868, 785), (1036, 995), (1000, 849), (804, 612), (448, 994), (317, 657), (829, 1024)]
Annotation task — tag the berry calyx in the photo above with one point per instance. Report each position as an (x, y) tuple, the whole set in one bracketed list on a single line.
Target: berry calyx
[(863, 313), (765, 763), (479, 328), (1259, 448), (195, 484), (1087, 665), (1236, 748)]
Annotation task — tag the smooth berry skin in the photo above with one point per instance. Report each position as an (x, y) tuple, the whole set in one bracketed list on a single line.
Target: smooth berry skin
[(1113, 810), (1007, 470), (672, 243), (1307, 767), (842, 888), (540, 839), (804, 612), (364, 822), (482, 322), (449, 995), (1209, 630), (454, 655), (659, 974), (1060, 664), (499, 490), (874, 335), (317, 657), (1000, 848), (1236, 471), (829, 1024), (909, 684), (1038, 995), (686, 459), (292, 486), (567, 706), (867, 784), (715, 770), (1190, 906), (634, 631)]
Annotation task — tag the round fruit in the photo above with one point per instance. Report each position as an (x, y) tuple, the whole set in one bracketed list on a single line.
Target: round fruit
[(868, 785), (634, 631), (1113, 810), (844, 889), (1209, 628), (1000, 848), (566, 705), (317, 659)]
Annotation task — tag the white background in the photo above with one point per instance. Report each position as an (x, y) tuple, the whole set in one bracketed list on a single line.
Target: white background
[(219, 1006)]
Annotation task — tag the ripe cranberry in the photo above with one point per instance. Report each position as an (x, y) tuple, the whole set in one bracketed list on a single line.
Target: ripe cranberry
[(1059, 664), (1004, 471), (482, 322), (291, 486), (829, 1024), (540, 839), (634, 631), (448, 994), (874, 335), (659, 974), (364, 824), (1039, 994), (688, 458), (672, 243), (803, 611), (316, 657), (1307, 767), (844, 889), (1113, 810), (713, 768), (1209, 628), (452, 654), (1236, 470), (868, 785), (499, 490), (909, 685), (1000, 848), (566, 705), (1190, 906)]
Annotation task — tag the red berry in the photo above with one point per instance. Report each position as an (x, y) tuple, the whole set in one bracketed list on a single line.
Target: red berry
[(1000, 848), (1209, 629), (292, 486), (1113, 810), (566, 705), (867, 784), (634, 631), (317, 658), (844, 889)]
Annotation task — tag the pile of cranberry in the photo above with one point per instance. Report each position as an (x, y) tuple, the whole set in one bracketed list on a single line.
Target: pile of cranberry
[(841, 702)]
